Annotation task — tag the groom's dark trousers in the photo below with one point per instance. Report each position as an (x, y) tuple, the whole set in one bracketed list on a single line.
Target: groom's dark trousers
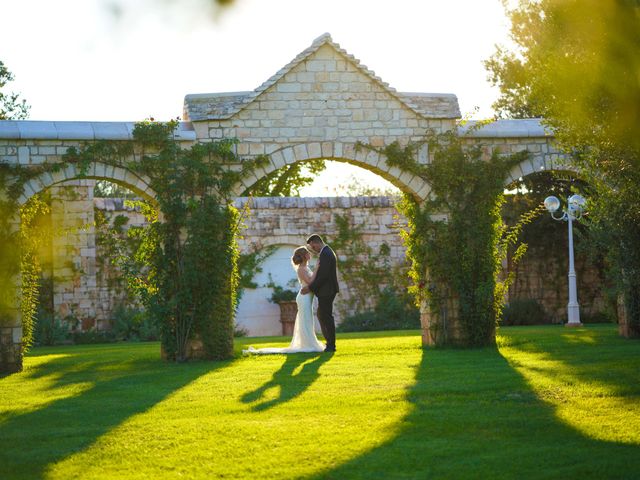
[(327, 322), (325, 286)]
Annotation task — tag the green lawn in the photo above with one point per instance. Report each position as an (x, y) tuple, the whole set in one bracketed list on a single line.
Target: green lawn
[(550, 402)]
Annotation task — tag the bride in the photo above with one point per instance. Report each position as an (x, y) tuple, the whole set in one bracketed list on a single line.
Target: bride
[(304, 337)]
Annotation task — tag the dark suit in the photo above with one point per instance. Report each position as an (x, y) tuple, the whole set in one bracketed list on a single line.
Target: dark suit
[(325, 287)]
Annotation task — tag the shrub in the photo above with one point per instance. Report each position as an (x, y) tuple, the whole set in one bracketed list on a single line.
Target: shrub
[(93, 336), (50, 330), (240, 331), (525, 311), (598, 317), (281, 294), (134, 325), (394, 311)]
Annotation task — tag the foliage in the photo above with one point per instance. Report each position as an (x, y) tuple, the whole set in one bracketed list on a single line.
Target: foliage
[(575, 63), (354, 187), (456, 239), (526, 311), (394, 310), (12, 107), (50, 330), (367, 271), (90, 337), (281, 294), (107, 189), (133, 324), (249, 265), (33, 233), (185, 268), (288, 180)]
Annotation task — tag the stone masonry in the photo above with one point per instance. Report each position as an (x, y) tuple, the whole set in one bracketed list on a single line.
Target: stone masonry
[(320, 105)]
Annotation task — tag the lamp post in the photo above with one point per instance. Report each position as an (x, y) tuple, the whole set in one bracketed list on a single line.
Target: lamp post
[(574, 210)]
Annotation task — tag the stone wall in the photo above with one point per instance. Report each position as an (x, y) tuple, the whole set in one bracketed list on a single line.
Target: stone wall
[(283, 224)]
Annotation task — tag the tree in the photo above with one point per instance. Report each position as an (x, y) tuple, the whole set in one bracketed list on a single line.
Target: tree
[(11, 105), (287, 181), (577, 64)]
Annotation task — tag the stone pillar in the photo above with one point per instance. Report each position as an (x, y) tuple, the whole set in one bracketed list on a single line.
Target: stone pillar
[(11, 323), (74, 252), (11, 343), (441, 327)]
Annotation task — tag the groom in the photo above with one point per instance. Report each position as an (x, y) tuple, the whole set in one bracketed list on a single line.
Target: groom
[(325, 286)]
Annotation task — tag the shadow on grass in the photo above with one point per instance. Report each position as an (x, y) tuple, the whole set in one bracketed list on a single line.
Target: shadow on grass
[(112, 385), (474, 416), (290, 385), (592, 354)]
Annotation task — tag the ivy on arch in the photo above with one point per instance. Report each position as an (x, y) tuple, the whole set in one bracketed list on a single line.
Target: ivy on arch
[(185, 269), (455, 238)]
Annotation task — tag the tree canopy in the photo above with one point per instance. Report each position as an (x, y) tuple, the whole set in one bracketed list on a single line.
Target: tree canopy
[(576, 63), (11, 105)]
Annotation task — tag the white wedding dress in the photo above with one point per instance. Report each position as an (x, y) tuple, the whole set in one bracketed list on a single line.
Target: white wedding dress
[(304, 336)]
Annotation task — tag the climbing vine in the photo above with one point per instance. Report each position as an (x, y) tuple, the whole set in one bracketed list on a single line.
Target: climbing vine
[(185, 267), (456, 239), (187, 274)]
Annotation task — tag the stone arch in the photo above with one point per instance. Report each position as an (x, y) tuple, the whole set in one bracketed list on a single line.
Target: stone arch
[(140, 184), (343, 152), (539, 164), (11, 350)]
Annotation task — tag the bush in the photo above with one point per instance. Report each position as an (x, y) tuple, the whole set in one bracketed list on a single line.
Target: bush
[(526, 311), (394, 311), (598, 317), (93, 336), (50, 330), (281, 294), (239, 332), (132, 324)]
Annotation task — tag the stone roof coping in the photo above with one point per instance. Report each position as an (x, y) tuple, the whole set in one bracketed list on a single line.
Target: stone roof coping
[(315, 202), (70, 130), (507, 128), (272, 203)]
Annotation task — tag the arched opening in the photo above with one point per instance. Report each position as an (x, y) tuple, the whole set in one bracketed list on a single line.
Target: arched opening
[(352, 206), (538, 294), (66, 258)]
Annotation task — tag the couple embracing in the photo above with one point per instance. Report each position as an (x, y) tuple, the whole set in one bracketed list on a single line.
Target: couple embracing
[(323, 283)]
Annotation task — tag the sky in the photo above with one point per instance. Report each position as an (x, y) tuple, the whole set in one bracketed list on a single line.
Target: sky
[(126, 60)]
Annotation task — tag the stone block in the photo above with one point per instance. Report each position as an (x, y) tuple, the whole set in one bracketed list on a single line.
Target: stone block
[(288, 87), (300, 152), (24, 155), (16, 334), (256, 149), (314, 149)]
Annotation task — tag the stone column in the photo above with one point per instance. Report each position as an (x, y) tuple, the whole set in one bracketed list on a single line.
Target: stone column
[(11, 323), (11, 342), (441, 327), (74, 252)]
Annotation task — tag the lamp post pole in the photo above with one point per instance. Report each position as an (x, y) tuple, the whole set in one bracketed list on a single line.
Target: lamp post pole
[(573, 308), (575, 207)]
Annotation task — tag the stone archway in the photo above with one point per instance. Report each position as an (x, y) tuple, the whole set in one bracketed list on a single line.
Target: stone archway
[(343, 152), (11, 330), (320, 105), (138, 184)]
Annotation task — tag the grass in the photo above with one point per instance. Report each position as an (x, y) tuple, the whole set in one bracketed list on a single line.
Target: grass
[(550, 402)]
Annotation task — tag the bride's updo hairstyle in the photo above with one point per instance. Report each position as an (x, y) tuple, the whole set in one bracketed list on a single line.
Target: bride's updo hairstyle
[(299, 255)]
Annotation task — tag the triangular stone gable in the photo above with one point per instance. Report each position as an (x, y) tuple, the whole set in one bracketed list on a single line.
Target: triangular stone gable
[(319, 57), (227, 105), (325, 93)]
